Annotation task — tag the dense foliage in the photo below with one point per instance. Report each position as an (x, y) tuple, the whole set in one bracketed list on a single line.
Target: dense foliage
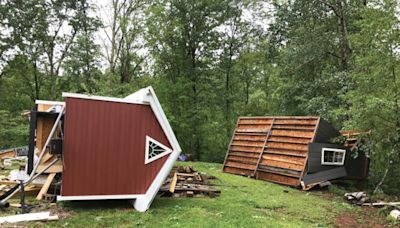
[(211, 61)]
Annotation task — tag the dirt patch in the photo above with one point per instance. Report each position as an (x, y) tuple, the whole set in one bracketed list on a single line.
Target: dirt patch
[(366, 217), (61, 212)]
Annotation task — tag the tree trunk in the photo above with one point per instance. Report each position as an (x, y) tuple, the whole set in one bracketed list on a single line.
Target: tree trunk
[(114, 36), (196, 122), (342, 29), (228, 92)]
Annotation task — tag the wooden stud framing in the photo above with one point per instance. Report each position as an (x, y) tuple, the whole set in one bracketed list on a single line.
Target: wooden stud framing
[(46, 186), (265, 146), (284, 142), (230, 143)]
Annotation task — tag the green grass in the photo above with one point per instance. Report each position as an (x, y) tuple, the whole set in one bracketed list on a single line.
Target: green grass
[(243, 202)]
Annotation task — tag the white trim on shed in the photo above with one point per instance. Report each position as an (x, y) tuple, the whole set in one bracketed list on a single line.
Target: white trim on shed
[(101, 98), (98, 197)]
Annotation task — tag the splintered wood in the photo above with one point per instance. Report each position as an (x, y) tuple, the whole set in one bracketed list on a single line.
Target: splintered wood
[(184, 181)]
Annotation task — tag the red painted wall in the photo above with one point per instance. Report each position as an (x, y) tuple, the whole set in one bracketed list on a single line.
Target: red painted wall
[(104, 148)]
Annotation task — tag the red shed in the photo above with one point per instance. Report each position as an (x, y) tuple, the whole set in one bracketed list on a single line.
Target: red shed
[(116, 148)]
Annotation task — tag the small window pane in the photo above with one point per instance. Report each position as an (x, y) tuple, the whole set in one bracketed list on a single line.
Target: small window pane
[(155, 149), (333, 156), (328, 156), (338, 157)]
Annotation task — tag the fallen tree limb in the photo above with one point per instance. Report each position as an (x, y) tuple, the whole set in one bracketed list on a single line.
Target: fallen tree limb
[(381, 182)]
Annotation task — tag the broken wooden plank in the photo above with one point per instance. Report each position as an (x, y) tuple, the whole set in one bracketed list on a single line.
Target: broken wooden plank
[(56, 168), (16, 205), (46, 186), (186, 174), (5, 154), (173, 183), (28, 217), (382, 204)]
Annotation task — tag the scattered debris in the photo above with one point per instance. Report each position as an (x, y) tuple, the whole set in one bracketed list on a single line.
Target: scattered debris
[(361, 198), (186, 157), (6, 184), (10, 161), (184, 181), (395, 214), (16, 205), (16, 175), (358, 198), (40, 216), (14, 152), (380, 204), (49, 198)]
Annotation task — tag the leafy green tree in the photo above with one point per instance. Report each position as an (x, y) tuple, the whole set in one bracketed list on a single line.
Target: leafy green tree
[(36, 41), (376, 97), (124, 45), (43, 32), (184, 34), (316, 55), (13, 130), (82, 65)]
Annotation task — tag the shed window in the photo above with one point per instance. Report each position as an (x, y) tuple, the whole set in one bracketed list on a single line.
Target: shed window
[(331, 156), (155, 150)]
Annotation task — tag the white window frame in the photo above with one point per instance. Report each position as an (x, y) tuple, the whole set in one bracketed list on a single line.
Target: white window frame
[(334, 150), (147, 159)]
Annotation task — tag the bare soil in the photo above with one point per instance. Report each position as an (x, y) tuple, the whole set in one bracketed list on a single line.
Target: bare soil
[(366, 217)]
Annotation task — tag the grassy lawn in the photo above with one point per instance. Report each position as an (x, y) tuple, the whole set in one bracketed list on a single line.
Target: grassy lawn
[(244, 202)]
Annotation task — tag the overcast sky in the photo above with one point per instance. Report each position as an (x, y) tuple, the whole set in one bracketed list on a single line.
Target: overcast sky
[(104, 12)]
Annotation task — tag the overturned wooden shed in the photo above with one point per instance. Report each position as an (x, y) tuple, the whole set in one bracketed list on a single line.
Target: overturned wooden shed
[(289, 150), (101, 147)]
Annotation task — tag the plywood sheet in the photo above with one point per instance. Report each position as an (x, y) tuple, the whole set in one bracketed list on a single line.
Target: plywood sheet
[(243, 159), (280, 179), (242, 172)]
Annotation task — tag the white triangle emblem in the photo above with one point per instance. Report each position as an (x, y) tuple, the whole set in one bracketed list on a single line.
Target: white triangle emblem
[(155, 150)]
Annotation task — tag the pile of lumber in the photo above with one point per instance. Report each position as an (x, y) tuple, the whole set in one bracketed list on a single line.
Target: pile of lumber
[(7, 153), (361, 198), (6, 184), (184, 181)]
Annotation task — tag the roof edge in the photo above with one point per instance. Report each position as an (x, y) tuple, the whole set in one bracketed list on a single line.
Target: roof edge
[(148, 95), (101, 98), (49, 102)]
